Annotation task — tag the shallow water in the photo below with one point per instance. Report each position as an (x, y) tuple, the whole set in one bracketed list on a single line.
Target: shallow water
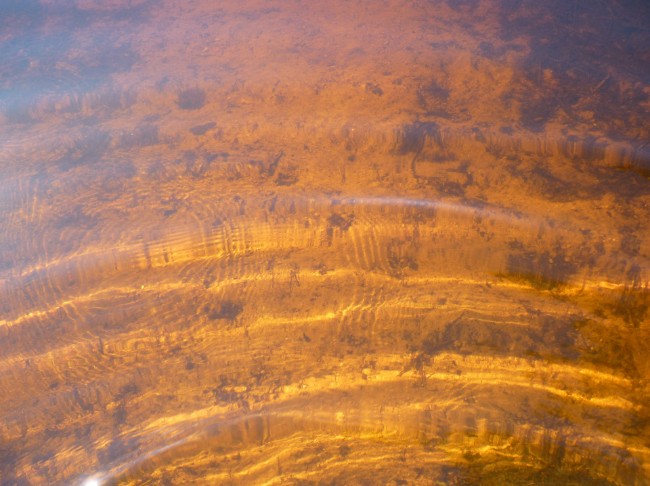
[(341, 243)]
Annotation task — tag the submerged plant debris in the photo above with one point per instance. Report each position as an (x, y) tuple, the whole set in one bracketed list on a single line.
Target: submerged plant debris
[(360, 242)]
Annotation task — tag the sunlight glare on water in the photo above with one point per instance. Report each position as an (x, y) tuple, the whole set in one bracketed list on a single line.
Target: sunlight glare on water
[(361, 242)]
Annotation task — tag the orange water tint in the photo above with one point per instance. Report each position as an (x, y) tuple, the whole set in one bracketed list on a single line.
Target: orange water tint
[(399, 242)]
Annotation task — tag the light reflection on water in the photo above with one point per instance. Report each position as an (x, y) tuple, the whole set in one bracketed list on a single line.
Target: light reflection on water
[(355, 243)]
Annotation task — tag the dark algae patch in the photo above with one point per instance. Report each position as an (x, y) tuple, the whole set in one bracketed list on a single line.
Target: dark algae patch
[(191, 99)]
